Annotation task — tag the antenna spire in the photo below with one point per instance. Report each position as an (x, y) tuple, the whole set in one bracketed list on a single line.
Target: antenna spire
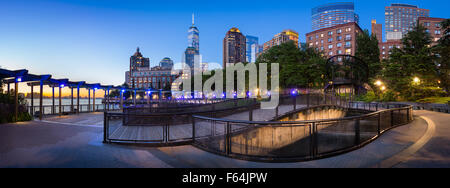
[(193, 19)]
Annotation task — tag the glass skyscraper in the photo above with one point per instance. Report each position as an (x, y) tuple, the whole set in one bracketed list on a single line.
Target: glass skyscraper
[(400, 19), (252, 48), (193, 37), (333, 14)]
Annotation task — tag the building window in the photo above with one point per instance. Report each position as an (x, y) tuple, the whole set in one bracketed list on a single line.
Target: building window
[(437, 32), (330, 53), (339, 38), (330, 46), (339, 45), (339, 31), (348, 51), (348, 37), (348, 29), (321, 48), (330, 33), (348, 44), (330, 39), (321, 35)]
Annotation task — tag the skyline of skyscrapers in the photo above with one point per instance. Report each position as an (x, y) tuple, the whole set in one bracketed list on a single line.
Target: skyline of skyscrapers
[(252, 46), (332, 14), (400, 18), (234, 47), (240, 48)]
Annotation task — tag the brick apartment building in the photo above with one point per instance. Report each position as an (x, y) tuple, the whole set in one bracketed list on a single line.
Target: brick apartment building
[(336, 40)]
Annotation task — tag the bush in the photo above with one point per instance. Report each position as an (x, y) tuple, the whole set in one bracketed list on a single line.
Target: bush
[(370, 96), (418, 93), (388, 96), (7, 109)]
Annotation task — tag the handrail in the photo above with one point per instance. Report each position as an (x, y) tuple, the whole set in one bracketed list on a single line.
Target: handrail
[(301, 122)]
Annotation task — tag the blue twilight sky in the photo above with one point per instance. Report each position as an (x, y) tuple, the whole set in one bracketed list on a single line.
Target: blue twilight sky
[(92, 40)]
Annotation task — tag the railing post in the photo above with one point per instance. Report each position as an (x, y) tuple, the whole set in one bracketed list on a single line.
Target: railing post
[(227, 139), (307, 100), (295, 102), (105, 127), (193, 128), (357, 132), (315, 140), (392, 118), (379, 123), (276, 112), (250, 112)]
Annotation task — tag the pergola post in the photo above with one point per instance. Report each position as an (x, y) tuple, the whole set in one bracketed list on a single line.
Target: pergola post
[(60, 101), (148, 97), (71, 102), (32, 100), (41, 93), (53, 100), (93, 98), (107, 99), (78, 99), (9, 90), (89, 100), (16, 99)]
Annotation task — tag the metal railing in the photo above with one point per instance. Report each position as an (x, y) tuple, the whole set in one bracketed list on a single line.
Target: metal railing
[(270, 141), (297, 140), (69, 109), (159, 127)]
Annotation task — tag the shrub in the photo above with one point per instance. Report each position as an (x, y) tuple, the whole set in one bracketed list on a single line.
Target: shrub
[(418, 93)]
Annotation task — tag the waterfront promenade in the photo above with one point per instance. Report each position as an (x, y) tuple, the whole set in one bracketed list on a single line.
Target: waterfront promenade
[(76, 141)]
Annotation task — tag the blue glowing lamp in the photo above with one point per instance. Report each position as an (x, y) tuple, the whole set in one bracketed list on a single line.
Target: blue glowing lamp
[(19, 79), (123, 91), (61, 85), (294, 92)]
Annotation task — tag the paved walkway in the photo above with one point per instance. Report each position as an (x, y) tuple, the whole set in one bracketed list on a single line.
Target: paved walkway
[(75, 141)]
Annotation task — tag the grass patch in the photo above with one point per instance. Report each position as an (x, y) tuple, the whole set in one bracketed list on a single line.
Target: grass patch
[(437, 100)]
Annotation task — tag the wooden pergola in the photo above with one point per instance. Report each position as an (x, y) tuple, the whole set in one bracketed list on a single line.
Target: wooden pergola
[(17, 76)]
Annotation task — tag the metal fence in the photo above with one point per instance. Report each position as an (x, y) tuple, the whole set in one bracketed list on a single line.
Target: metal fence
[(296, 141), (158, 127), (69, 109), (278, 140)]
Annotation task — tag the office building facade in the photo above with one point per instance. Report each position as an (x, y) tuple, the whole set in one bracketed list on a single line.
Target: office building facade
[(333, 14), (377, 30), (252, 48), (234, 47), (142, 76), (401, 18)]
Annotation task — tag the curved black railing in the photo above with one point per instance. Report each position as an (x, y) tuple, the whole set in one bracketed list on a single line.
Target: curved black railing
[(290, 141), (278, 140)]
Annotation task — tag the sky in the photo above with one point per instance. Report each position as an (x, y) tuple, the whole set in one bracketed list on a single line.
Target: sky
[(92, 40)]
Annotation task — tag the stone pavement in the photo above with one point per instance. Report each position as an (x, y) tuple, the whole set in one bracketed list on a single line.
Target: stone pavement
[(76, 141)]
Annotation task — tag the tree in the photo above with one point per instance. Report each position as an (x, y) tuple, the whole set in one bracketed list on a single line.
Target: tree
[(367, 50), (443, 53), (297, 68), (413, 60)]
